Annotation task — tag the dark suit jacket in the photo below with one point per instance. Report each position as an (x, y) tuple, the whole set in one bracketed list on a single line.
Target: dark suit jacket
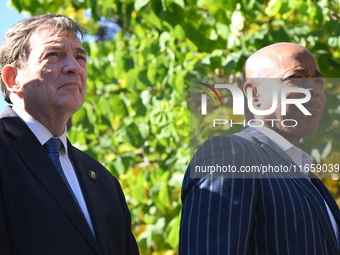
[(37, 212), (285, 214)]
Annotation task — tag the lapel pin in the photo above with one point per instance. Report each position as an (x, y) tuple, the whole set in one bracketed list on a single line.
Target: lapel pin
[(92, 175)]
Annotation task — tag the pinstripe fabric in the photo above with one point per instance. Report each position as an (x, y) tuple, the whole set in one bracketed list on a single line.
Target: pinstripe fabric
[(263, 216), (38, 215)]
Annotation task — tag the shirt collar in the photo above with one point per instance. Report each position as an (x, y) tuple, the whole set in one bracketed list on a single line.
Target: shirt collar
[(38, 129), (282, 142), (298, 156)]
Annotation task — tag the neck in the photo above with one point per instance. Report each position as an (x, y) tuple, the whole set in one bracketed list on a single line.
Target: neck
[(55, 126), (55, 122), (293, 139)]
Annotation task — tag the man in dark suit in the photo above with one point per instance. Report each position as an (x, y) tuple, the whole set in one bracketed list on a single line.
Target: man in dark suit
[(287, 211), (54, 199)]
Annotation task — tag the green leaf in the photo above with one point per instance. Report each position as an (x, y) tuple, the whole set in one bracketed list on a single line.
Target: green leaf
[(17, 5), (273, 8), (118, 168), (180, 3), (133, 135), (172, 238), (79, 116), (117, 106), (222, 30), (237, 20), (139, 4), (327, 150), (179, 32)]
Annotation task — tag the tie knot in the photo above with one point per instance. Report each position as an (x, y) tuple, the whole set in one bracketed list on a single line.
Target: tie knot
[(53, 145)]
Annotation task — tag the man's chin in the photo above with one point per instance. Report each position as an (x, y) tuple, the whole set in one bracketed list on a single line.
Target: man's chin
[(303, 132)]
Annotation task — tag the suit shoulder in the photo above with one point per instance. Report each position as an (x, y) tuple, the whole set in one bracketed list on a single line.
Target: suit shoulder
[(233, 142), (223, 150), (228, 152)]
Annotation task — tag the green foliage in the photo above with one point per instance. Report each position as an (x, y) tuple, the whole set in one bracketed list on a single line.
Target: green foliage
[(136, 120)]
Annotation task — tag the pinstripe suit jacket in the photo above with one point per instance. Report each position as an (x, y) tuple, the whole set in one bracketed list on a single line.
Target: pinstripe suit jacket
[(38, 215), (265, 216)]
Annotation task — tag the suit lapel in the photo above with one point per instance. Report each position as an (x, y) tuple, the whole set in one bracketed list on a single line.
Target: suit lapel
[(35, 157), (103, 202), (91, 197), (300, 179)]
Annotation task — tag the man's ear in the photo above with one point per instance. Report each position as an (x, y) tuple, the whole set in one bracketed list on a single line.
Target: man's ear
[(9, 74), (248, 88)]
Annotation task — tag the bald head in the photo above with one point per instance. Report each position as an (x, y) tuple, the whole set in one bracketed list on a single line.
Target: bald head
[(271, 61), (284, 66)]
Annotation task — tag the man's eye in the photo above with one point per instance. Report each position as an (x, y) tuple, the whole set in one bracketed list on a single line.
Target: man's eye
[(51, 54), (82, 58), (294, 78)]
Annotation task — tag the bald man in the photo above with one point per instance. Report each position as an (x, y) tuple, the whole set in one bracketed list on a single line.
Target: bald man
[(283, 213)]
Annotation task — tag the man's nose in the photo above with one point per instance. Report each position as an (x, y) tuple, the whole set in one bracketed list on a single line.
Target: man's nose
[(72, 65)]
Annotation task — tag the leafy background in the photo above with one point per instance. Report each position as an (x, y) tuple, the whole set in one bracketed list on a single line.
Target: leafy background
[(142, 55)]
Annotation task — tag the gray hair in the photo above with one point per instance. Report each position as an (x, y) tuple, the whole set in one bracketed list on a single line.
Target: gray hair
[(13, 47)]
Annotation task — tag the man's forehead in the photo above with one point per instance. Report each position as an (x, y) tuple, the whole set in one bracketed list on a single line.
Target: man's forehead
[(302, 63), (261, 65), (61, 46), (48, 34), (274, 63)]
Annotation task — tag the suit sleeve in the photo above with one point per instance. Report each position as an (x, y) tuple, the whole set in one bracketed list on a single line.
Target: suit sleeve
[(217, 213)]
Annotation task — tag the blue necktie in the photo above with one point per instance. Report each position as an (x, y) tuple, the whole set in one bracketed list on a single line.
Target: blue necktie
[(52, 147)]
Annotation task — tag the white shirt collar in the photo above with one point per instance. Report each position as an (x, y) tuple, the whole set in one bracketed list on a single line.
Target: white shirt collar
[(38, 129)]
